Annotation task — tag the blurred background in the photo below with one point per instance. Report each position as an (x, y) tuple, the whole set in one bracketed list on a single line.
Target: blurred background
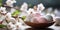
[(47, 3)]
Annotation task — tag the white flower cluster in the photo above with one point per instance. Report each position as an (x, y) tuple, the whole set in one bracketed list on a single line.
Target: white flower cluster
[(8, 17), (15, 25)]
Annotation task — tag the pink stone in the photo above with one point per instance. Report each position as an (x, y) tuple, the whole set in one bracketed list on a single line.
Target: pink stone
[(40, 20)]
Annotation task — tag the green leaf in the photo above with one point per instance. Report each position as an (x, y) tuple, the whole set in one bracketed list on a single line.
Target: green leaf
[(23, 17), (16, 12), (1, 3), (2, 26)]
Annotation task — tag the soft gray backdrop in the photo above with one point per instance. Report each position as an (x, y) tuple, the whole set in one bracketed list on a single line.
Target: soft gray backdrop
[(47, 3)]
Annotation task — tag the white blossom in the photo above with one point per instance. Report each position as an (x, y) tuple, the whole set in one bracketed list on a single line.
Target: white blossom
[(24, 6), (41, 7), (10, 26), (3, 9), (10, 2), (18, 25), (2, 17), (56, 11), (21, 27), (8, 14), (30, 11)]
